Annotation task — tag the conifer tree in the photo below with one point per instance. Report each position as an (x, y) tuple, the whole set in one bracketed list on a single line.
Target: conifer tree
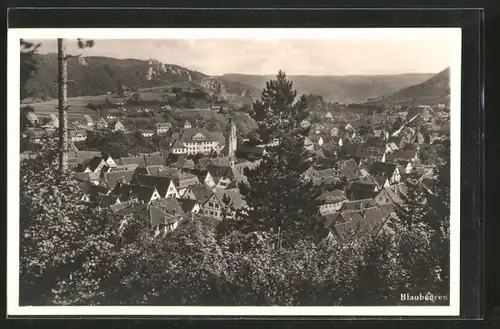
[(278, 200), (278, 108)]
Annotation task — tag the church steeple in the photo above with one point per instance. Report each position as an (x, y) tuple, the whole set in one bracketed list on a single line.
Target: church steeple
[(231, 142)]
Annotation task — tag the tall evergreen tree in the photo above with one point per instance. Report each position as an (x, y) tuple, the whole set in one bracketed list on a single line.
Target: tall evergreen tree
[(279, 200), (278, 109)]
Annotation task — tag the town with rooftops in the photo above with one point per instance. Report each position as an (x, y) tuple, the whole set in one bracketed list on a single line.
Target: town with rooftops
[(177, 147), (370, 148)]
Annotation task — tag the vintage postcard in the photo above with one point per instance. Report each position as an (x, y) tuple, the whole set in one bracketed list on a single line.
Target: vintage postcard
[(234, 172)]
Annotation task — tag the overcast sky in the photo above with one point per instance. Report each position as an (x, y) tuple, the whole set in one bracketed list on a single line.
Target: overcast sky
[(313, 57)]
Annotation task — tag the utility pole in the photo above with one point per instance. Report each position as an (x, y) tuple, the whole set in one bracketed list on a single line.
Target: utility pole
[(62, 104)]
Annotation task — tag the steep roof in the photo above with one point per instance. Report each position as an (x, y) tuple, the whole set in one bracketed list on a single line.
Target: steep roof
[(382, 168), (110, 178), (94, 163), (236, 200), (350, 174), (154, 169), (201, 192), (158, 217), (325, 176), (183, 163), (154, 160), (91, 189), (332, 196), (188, 134), (187, 204), (381, 180), (129, 207), (141, 192), (160, 183), (358, 204), (349, 164), (139, 160), (170, 206), (362, 191)]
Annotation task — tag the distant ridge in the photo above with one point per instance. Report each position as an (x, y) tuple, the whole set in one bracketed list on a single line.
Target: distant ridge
[(435, 90), (102, 74), (343, 89)]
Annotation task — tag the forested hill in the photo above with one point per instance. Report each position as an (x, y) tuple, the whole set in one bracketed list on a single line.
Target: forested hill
[(435, 90), (104, 74), (343, 89)]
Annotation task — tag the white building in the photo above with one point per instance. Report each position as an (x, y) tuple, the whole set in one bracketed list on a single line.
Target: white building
[(163, 127), (200, 140)]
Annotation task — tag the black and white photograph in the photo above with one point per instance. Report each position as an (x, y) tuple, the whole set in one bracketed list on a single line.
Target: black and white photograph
[(269, 171)]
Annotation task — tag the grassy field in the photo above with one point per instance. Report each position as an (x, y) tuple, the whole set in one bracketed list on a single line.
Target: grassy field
[(77, 106)]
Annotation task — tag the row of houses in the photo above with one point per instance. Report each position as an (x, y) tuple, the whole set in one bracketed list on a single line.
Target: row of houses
[(212, 187), (161, 128)]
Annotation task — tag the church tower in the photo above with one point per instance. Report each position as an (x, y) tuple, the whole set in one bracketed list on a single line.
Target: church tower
[(231, 142)]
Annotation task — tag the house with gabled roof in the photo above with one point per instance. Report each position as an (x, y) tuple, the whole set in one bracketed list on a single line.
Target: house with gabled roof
[(93, 177), (111, 178), (170, 206), (190, 206), (199, 193), (133, 160), (338, 226), (154, 160), (216, 204), (182, 163), (331, 201), (164, 185), (117, 126), (163, 127), (362, 190), (387, 170), (91, 191), (162, 222), (150, 170), (105, 201), (140, 193), (204, 177), (96, 164), (326, 176), (181, 179), (110, 162)]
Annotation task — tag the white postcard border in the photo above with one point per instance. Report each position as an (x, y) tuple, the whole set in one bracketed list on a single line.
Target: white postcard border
[(13, 159)]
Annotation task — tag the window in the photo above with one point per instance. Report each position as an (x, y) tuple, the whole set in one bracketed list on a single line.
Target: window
[(386, 200), (217, 205), (210, 204)]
